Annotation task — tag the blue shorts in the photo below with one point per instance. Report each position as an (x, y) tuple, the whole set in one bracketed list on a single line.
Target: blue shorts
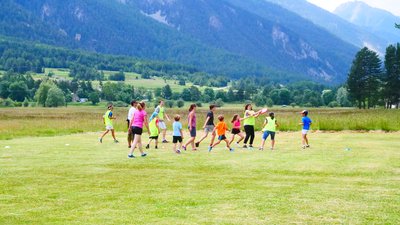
[(267, 133), (192, 132), (222, 137)]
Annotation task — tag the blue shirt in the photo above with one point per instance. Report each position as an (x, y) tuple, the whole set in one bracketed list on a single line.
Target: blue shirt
[(306, 123), (177, 126)]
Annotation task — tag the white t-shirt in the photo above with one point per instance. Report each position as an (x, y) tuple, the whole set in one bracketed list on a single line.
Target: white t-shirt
[(131, 112)]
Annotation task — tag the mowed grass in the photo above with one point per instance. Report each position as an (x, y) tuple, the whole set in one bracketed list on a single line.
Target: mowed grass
[(45, 181), (22, 122)]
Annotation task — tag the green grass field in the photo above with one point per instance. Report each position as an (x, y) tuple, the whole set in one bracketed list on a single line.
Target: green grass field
[(73, 179)]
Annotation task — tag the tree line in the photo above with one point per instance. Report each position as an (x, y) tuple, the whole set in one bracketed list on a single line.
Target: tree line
[(373, 83)]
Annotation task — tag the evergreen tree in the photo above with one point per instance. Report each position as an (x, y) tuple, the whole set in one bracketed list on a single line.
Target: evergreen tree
[(392, 79), (363, 81), (166, 92)]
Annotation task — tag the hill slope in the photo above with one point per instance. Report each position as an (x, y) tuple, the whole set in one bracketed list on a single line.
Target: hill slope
[(345, 30), (376, 20), (214, 35)]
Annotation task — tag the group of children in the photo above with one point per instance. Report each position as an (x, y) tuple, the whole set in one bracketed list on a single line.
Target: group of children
[(137, 117)]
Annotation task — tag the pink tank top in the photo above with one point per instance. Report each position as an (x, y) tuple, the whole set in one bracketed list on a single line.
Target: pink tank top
[(236, 124), (138, 118)]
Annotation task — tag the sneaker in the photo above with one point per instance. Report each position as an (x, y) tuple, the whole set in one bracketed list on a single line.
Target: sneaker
[(164, 141), (237, 144), (307, 146), (231, 150), (147, 146), (261, 149), (304, 147), (271, 148), (156, 147), (251, 147), (144, 155), (184, 147), (101, 140), (116, 141), (197, 144), (129, 146), (178, 151), (244, 146), (209, 149), (131, 156)]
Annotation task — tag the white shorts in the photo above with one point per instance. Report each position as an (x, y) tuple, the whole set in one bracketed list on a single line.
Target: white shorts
[(162, 125), (109, 127), (304, 131)]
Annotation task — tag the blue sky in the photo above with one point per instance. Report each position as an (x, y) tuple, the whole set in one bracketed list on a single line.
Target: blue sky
[(392, 6)]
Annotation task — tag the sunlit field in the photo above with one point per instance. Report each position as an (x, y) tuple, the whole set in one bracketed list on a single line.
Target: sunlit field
[(344, 178)]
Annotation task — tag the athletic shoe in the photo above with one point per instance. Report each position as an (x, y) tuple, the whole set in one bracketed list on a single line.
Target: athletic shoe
[(116, 141), (244, 146), (261, 149), (178, 151), (101, 140), (307, 146), (271, 148), (209, 149), (129, 146), (184, 148), (304, 147), (164, 141), (197, 144), (251, 147), (131, 156), (147, 146), (237, 144), (144, 155), (156, 147), (231, 150)]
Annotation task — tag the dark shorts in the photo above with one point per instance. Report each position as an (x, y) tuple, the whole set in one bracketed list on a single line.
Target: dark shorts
[(235, 131), (154, 137), (176, 139), (192, 132), (267, 133), (222, 137), (137, 130)]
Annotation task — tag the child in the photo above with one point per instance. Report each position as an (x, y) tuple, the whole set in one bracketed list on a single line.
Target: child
[(270, 126), (154, 131), (108, 117), (177, 134), (306, 123), (236, 129), (221, 128), (209, 126)]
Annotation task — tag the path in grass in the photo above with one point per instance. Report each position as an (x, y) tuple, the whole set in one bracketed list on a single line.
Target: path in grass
[(45, 181)]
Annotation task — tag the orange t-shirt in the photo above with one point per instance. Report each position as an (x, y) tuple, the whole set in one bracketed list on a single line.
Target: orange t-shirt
[(221, 128)]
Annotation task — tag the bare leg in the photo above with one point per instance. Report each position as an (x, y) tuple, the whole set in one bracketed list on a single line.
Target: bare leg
[(303, 139), (193, 147), (113, 134), (306, 139), (215, 144), (262, 144), (272, 144), (180, 145), (140, 144), (213, 135), (232, 139), (164, 132), (156, 143), (130, 137), (241, 137), (174, 148), (135, 143), (191, 140), (204, 137), (104, 134), (227, 144)]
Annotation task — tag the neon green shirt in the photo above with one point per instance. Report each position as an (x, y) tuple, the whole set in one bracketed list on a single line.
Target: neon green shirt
[(271, 125), (161, 113), (250, 120), (153, 128), (107, 119)]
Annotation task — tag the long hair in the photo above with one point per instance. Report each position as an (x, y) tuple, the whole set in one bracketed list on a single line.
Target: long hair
[(192, 106), (246, 106), (141, 106), (234, 118)]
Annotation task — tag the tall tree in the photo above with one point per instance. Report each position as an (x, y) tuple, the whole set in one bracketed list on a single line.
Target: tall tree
[(392, 79), (363, 81)]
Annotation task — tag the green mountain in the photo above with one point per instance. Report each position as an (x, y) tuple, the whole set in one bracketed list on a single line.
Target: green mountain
[(217, 36)]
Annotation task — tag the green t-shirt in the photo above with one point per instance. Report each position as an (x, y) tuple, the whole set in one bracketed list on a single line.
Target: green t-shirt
[(271, 124), (250, 120)]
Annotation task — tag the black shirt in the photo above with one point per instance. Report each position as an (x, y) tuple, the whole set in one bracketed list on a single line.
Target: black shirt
[(211, 120)]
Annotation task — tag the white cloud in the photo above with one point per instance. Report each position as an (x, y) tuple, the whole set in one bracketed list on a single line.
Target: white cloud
[(392, 6)]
